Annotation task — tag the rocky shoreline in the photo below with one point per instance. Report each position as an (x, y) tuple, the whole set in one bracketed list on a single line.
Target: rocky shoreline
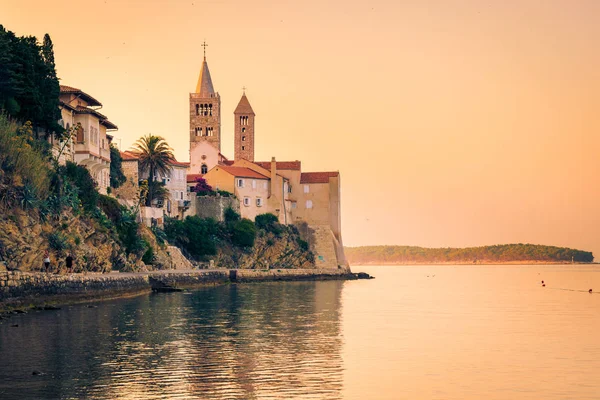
[(22, 290)]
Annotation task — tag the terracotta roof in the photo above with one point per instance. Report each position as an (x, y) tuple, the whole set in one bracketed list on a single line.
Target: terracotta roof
[(244, 106), (129, 156), (71, 90), (180, 164), (191, 178), (317, 177), (286, 165), (242, 172), (108, 124)]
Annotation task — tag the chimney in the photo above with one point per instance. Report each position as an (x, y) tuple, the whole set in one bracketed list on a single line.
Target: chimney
[(273, 175)]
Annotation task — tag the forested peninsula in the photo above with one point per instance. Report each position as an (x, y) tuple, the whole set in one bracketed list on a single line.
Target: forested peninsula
[(498, 254)]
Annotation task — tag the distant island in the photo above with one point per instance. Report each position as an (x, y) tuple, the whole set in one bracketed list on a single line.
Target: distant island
[(497, 254)]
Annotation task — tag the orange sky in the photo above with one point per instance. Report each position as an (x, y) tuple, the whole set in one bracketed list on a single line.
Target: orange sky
[(453, 123)]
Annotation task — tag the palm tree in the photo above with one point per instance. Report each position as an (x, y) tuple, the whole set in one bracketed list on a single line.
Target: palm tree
[(155, 156)]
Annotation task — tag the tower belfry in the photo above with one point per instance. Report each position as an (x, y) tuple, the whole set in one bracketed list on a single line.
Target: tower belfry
[(205, 115), (244, 129)]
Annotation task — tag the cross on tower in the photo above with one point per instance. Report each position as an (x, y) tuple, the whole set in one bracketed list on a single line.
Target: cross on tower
[(204, 45), (244, 89)]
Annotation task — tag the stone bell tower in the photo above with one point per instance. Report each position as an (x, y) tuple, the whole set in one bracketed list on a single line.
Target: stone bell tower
[(244, 130), (205, 114)]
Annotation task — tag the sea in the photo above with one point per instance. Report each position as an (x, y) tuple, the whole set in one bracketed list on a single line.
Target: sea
[(414, 332)]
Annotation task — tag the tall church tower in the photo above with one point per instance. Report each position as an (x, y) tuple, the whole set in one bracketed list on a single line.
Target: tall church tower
[(244, 130), (205, 118)]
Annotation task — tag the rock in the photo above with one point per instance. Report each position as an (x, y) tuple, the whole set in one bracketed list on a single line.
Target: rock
[(363, 275), (48, 308), (19, 311)]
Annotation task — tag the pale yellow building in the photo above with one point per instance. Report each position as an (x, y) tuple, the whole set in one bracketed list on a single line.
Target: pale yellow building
[(91, 147), (251, 188)]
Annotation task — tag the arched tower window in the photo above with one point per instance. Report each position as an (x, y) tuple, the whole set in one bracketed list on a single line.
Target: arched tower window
[(197, 109), (203, 169), (210, 110), (205, 109)]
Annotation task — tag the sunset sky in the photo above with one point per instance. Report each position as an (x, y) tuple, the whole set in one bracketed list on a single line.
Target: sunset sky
[(453, 123)]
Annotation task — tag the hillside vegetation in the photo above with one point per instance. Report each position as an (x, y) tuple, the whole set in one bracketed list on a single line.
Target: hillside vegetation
[(506, 253)]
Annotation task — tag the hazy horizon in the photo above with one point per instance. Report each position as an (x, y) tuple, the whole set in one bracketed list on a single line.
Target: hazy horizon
[(453, 123)]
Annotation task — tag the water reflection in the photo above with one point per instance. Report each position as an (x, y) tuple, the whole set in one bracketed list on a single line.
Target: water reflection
[(271, 340)]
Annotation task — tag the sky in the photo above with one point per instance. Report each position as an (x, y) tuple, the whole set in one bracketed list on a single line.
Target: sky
[(453, 123)]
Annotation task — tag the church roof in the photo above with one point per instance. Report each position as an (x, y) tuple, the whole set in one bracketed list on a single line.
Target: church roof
[(317, 177), (205, 86), (244, 106)]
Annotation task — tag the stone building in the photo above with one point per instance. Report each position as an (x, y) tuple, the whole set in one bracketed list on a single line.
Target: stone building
[(91, 147), (310, 200)]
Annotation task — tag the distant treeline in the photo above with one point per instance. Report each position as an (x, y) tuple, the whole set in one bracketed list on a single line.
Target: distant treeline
[(485, 254)]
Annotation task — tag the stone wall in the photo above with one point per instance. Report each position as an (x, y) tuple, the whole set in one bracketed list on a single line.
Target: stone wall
[(215, 206)]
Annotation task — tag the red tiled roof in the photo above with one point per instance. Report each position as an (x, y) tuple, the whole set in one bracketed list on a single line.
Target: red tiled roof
[(242, 172), (317, 177), (287, 165), (71, 90), (191, 178), (129, 156), (180, 164)]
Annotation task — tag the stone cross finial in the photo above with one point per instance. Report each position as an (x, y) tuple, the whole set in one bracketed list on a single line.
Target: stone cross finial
[(244, 89), (204, 45)]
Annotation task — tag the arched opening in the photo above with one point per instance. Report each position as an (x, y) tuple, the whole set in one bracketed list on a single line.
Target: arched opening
[(203, 169), (205, 109), (210, 110), (197, 109)]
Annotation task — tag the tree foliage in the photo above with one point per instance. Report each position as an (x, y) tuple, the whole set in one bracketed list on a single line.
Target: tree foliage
[(29, 88), (155, 158), (117, 177), (493, 254)]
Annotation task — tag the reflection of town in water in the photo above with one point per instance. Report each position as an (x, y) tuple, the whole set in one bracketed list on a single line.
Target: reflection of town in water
[(273, 340)]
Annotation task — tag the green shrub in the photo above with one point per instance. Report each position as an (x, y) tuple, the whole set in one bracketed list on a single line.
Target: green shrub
[(269, 222), (243, 233), (86, 186), (303, 244), (197, 236), (148, 257), (230, 215), (23, 158), (57, 241)]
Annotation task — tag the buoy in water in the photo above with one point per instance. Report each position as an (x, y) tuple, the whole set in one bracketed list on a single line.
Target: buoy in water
[(543, 285), (542, 282), (590, 291)]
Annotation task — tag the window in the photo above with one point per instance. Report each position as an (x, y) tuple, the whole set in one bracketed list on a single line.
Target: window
[(198, 131), (247, 201), (293, 205), (243, 147), (243, 138), (197, 109), (253, 183), (306, 190), (289, 188), (204, 169), (308, 203), (258, 202), (243, 130), (240, 183), (80, 136)]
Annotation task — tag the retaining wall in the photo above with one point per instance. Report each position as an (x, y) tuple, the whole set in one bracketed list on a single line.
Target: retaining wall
[(32, 289)]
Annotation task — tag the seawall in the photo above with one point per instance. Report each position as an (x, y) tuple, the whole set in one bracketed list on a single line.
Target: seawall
[(26, 289)]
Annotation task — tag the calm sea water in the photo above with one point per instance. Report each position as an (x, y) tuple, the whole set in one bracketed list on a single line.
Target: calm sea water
[(426, 332)]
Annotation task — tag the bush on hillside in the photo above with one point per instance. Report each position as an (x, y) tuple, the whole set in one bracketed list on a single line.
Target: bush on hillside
[(269, 222), (243, 233)]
